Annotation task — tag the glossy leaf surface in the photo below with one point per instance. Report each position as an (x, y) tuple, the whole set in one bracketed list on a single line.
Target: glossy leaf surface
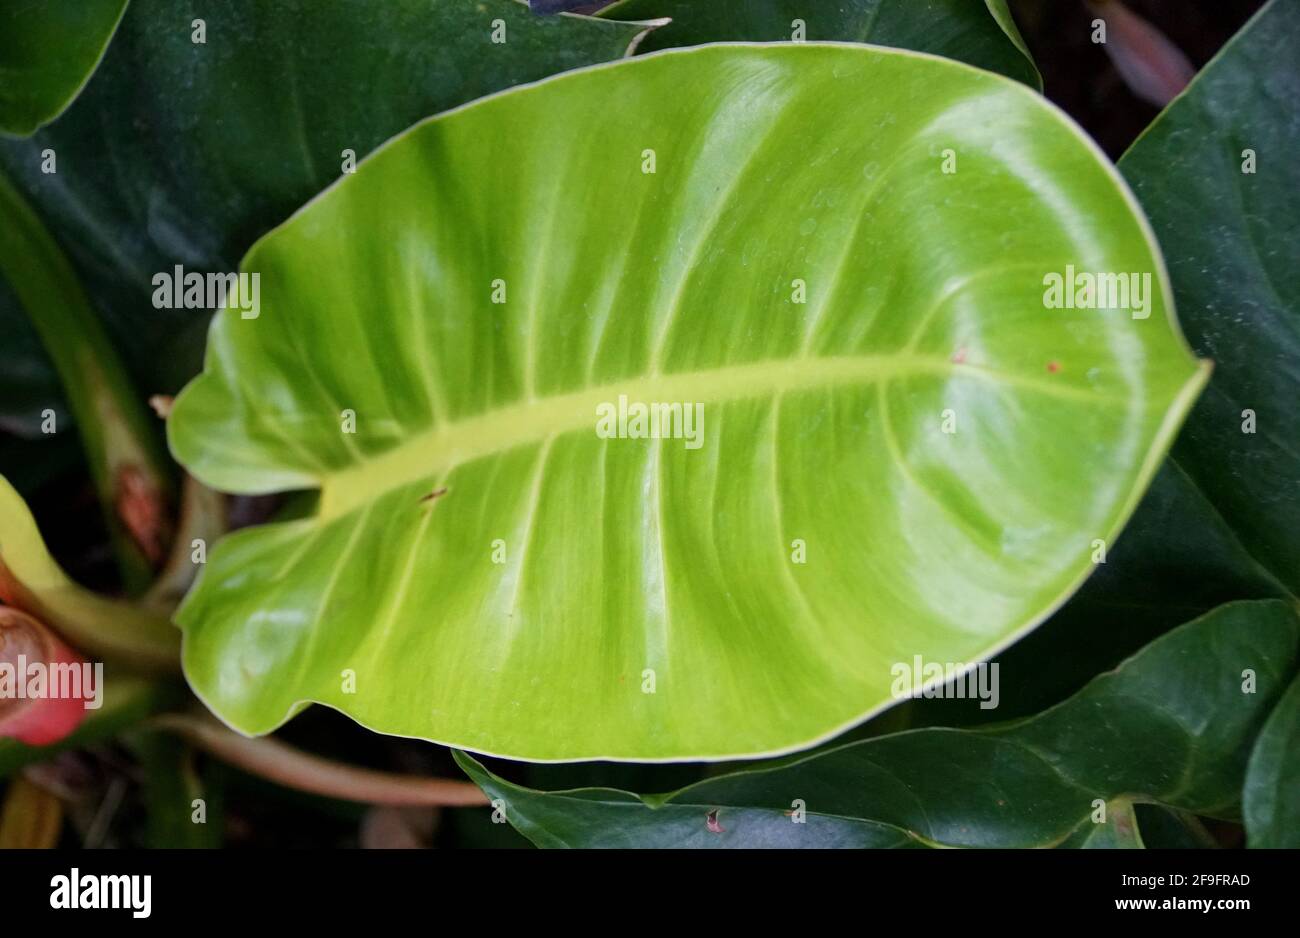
[(1272, 795), (1170, 725), (48, 50), (499, 575), (1219, 522), (1215, 175), (184, 152), (1177, 559)]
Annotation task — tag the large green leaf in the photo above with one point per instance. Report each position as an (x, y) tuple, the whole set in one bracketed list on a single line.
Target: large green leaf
[(1219, 522), (476, 423), (1177, 559), (1230, 238), (48, 50), (1272, 793), (1171, 725), (982, 34), (182, 152)]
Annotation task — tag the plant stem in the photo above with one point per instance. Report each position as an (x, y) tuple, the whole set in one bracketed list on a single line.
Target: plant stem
[(32, 581), (126, 458), (202, 517), (293, 768)]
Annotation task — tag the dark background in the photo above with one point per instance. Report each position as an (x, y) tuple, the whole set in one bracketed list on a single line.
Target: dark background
[(1078, 75)]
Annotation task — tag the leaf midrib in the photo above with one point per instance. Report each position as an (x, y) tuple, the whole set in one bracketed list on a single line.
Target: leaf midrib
[(534, 420)]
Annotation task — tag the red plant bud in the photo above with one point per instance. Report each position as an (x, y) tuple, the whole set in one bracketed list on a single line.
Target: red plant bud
[(29, 712)]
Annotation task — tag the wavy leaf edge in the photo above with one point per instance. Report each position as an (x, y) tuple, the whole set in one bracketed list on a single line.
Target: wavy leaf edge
[(1155, 455)]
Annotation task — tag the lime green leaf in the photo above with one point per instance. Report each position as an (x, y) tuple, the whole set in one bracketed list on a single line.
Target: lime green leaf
[(1272, 795), (245, 126), (48, 50), (497, 574), (31, 580), (1172, 724), (981, 34), (1216, 175), (1220, 520), (1177, 559)]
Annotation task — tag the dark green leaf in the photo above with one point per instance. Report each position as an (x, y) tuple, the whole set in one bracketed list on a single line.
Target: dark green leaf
[(1220, 521), (183, 153), (183, 801), (1272, 795), (1169, 829), (1229, 237), (981, 34), (29, 385), (1172, 725), (48, 50), (1115, 829), (119, 436), (1175, 560)]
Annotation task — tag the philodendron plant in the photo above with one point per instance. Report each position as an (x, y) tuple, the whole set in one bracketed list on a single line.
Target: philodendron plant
[(640, 435), (698, 382)]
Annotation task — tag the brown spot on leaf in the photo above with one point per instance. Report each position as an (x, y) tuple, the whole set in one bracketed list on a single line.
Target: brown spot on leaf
[(711, 822)]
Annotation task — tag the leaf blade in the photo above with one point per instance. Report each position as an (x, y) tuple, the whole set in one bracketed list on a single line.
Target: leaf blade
[(1272, 792), (1030, 783), (483, 405), (48, 51), (283, 90), (1238, 295)]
